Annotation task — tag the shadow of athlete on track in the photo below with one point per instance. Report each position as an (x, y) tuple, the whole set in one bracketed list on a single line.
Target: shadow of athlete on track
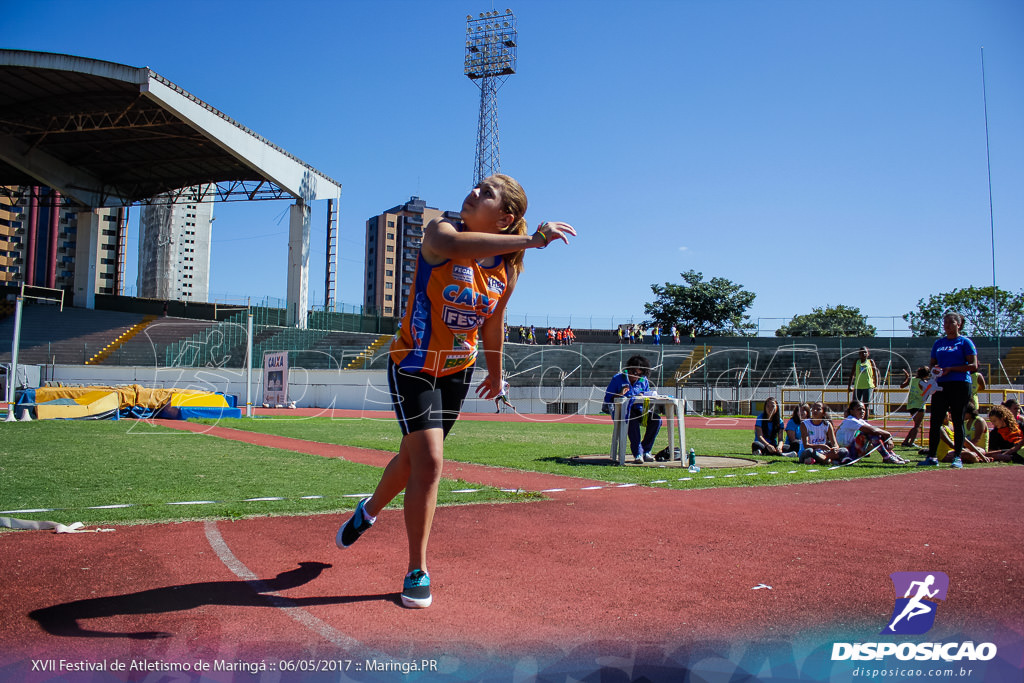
[(63, 620)]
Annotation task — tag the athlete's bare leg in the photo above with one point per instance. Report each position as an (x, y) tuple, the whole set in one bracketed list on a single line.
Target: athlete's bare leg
[(417, 470)]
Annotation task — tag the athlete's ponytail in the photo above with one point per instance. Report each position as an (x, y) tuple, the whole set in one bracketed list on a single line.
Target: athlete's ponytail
[(515, 203)]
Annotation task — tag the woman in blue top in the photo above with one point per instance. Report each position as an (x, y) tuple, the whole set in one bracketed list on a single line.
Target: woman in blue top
[(795, 429), (954, 357), (632, 384)]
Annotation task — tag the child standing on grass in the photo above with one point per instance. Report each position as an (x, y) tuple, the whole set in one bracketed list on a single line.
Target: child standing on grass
[(915, 401), (464, 276)]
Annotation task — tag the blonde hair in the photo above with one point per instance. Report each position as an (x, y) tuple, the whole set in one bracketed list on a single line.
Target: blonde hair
[(514, 197)]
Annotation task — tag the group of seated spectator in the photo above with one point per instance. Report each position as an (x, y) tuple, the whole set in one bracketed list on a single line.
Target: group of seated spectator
[(1001, 443), (811, 437)]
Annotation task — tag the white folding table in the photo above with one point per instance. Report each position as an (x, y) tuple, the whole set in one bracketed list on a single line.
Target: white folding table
[(675, 410)]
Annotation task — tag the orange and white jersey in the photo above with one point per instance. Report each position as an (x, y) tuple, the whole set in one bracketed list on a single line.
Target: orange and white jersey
[(448, 303)]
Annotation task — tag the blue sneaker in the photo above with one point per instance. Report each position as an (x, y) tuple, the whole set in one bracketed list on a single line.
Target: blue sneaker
[(356, 525), (930, 461), (958, 463), (416, 589)]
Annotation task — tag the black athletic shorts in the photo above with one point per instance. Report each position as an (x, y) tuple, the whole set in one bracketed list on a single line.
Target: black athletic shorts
[(423, 401)]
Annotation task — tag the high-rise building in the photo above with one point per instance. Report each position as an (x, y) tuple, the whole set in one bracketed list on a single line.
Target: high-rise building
[(392, 245), (38, 241), (10, 241), (174, 246)]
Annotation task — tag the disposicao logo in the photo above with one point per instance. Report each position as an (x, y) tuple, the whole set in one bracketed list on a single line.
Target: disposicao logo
[(917, 599)]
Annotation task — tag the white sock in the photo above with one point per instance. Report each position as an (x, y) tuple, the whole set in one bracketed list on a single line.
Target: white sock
[(367, 517)]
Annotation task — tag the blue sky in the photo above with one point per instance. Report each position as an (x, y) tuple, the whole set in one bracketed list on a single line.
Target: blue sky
[(816, 152)]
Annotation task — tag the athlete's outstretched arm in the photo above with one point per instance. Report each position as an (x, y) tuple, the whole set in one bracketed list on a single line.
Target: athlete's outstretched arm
[(442, 241)]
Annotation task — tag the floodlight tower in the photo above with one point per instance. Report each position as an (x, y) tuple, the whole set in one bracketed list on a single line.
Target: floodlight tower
[(491, 41)]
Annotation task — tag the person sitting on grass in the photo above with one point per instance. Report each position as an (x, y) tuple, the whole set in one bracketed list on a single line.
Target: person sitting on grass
[(1006, 438), (820, 445), (1013, 406), (768, 430), (633, 385), (795, 430), (860, 437), (975, 428), (970, 454)]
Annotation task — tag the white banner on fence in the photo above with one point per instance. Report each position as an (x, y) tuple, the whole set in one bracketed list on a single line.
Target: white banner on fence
[(275, 378)]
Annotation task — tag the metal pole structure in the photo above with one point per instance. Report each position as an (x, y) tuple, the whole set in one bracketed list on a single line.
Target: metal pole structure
[(991, 213), (12, 374), (491, 52), (248, 366)]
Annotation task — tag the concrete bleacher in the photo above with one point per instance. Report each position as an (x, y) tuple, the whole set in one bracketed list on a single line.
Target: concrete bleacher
[(72, 336), (733, 362), (68, 336), (149, 347)]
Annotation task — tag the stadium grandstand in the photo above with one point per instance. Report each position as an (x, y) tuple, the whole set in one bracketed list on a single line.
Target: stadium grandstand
[(124, 338)]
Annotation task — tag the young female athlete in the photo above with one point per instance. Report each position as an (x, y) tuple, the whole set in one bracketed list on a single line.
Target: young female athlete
[(463, 280)]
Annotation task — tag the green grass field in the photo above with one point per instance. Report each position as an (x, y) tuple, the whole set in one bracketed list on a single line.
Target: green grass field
[(70, 467), (76, 465)]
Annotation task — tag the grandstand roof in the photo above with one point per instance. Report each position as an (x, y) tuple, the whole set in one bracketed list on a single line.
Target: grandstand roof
[(108, 135)]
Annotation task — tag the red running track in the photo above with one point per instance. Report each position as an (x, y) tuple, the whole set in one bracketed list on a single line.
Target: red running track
[(649, 582)]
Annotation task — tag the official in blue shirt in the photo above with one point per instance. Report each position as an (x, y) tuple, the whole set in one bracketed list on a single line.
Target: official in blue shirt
[(955, 357), (632, 383)]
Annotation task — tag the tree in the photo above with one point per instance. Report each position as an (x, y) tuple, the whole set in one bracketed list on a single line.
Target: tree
[(988, 311), (709, 308), (834, 321)]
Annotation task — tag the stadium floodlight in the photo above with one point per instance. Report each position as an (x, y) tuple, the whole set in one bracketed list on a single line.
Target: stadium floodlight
[(491, 56)]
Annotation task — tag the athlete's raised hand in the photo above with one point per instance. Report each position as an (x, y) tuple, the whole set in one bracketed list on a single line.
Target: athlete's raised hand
[(554, 230)]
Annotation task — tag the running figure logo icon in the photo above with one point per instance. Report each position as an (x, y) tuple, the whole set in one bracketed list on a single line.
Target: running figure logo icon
[(917, 597)]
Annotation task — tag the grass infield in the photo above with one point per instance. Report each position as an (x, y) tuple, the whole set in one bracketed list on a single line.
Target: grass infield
[(550, 446), (70, 467)]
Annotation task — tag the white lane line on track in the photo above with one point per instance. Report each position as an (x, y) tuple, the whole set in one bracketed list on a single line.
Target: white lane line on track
[(609, 485), (298, 614)]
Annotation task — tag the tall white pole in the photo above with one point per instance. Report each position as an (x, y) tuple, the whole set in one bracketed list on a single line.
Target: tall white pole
[(248, 366), (12, 374), (991, 215)]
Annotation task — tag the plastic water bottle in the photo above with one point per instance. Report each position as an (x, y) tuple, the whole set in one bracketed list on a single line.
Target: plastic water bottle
[(691, 459)]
